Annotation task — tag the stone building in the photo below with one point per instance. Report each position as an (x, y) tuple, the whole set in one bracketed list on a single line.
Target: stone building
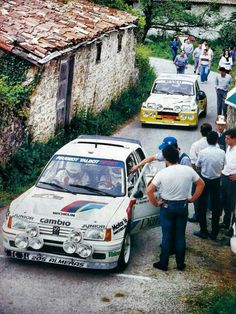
[(86, 51)]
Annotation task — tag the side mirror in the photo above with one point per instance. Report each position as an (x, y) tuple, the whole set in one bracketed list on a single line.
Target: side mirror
[(201, 95), (138, 194)]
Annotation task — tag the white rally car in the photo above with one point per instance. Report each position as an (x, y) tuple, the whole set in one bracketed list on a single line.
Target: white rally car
[(84, 207)]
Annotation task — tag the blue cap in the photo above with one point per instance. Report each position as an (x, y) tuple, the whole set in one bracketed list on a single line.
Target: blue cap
[(169, 140)]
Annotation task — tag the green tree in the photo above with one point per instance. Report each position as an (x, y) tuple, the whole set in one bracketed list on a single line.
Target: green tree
[(228, 32), (173, 15)]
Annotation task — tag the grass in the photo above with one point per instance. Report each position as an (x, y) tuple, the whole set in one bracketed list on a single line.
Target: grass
[(214, 301)]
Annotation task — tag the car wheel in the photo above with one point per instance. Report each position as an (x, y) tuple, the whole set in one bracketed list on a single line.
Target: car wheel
[(125, 253)]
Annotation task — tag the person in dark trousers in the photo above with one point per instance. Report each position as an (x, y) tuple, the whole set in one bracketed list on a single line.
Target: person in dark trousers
[(174, 45), (221, 128), (195, 148), (222, 83), (173, 182), (210, 163), (228, 179)]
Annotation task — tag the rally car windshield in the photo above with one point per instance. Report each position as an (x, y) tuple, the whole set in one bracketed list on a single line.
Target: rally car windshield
[(173, 88), (80, 175)]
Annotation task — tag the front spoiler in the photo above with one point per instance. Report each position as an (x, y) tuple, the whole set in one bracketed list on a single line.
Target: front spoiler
[(59, 260)]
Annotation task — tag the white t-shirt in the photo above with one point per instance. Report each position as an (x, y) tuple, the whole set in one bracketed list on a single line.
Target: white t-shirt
[(175, 182), (196, 147), (230, 165)]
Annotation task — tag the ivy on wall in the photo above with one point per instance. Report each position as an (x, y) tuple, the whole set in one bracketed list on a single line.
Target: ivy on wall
[(14, 95)]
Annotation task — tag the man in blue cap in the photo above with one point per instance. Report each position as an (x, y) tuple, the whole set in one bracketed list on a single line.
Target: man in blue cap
[(169, 140)]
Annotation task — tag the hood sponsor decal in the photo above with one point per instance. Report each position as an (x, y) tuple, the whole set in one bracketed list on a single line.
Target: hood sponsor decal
[(50, 196), (22, 217), (55, 222), (89, 226), (119, 226), (82, 206)]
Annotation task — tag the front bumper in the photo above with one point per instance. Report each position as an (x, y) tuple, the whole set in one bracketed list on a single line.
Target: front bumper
[(150, 116), (105, 254)]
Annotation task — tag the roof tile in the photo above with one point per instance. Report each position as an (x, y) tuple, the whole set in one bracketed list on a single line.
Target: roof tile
[(41, 27)]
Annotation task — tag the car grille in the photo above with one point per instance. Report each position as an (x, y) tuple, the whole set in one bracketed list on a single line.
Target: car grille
[(54, 230), (167, 113)]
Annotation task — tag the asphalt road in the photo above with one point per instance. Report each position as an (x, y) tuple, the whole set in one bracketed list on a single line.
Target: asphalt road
[(42, 288)]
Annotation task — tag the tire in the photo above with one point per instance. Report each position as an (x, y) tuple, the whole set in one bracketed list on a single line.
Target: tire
[(125, 253)]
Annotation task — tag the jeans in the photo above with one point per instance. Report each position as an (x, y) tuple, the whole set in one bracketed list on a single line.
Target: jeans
[(228, 188), (196, 64), (212, 189), (173, 218), (174, 53), (204, 71), (221, 106)]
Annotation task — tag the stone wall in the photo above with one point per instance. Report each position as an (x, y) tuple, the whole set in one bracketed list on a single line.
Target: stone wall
[(231, 117), (95, 84), (11, 137)]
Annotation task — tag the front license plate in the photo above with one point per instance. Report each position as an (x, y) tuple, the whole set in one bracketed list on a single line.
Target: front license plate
[(56, 260), (49, 259), (169, 117)]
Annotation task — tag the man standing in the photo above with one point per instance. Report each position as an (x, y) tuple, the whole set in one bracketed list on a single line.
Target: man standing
[(228, 178), (196, 55), (222, 82), (173, 182), (220, 128), (181, 62), (210, 163), (188, 48), (195, 148)]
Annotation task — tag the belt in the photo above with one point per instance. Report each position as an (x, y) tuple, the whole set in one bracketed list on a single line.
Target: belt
[(169, 201)]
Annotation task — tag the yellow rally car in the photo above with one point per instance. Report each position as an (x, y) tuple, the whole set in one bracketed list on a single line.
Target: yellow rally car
[(175, 99)]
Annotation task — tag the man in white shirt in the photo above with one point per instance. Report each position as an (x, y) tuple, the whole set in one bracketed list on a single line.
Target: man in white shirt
[(228, 178), (195, 148), (210, 163), (222, 83), (173, 183)]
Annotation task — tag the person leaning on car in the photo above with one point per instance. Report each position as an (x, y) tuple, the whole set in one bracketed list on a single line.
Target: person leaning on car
[(169, 140), (173, 182)]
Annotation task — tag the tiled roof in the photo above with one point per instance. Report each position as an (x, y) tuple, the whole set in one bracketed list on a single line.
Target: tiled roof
[(40, 30), (232, 2)]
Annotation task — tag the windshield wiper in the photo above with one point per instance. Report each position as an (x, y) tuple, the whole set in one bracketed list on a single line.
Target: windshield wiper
[(89, 188), (57, 186), (181, 93)]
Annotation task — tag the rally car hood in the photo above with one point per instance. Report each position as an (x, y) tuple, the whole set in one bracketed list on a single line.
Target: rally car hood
[(38, 205), (169, 101)]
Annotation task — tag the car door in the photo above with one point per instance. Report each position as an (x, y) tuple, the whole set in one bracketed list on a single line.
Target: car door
[(201, 98), (144, 215)]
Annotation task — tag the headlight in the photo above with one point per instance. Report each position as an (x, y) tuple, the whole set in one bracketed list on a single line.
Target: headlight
[(69, 247), (151, 106), (152, 114), (36, 243), (191, 117), (145, 114), (84, 250), (182, 116), (177, 108), (32, 230), (95, 234), (75, 236), (159, 107), (186, 108), (21, 241), (19, 224)]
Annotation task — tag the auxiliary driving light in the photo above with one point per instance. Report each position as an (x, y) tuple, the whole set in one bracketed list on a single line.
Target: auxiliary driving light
[(75, 236), (69, 247), (36, 243), (32, 230), (84, 250), (21, 241)]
